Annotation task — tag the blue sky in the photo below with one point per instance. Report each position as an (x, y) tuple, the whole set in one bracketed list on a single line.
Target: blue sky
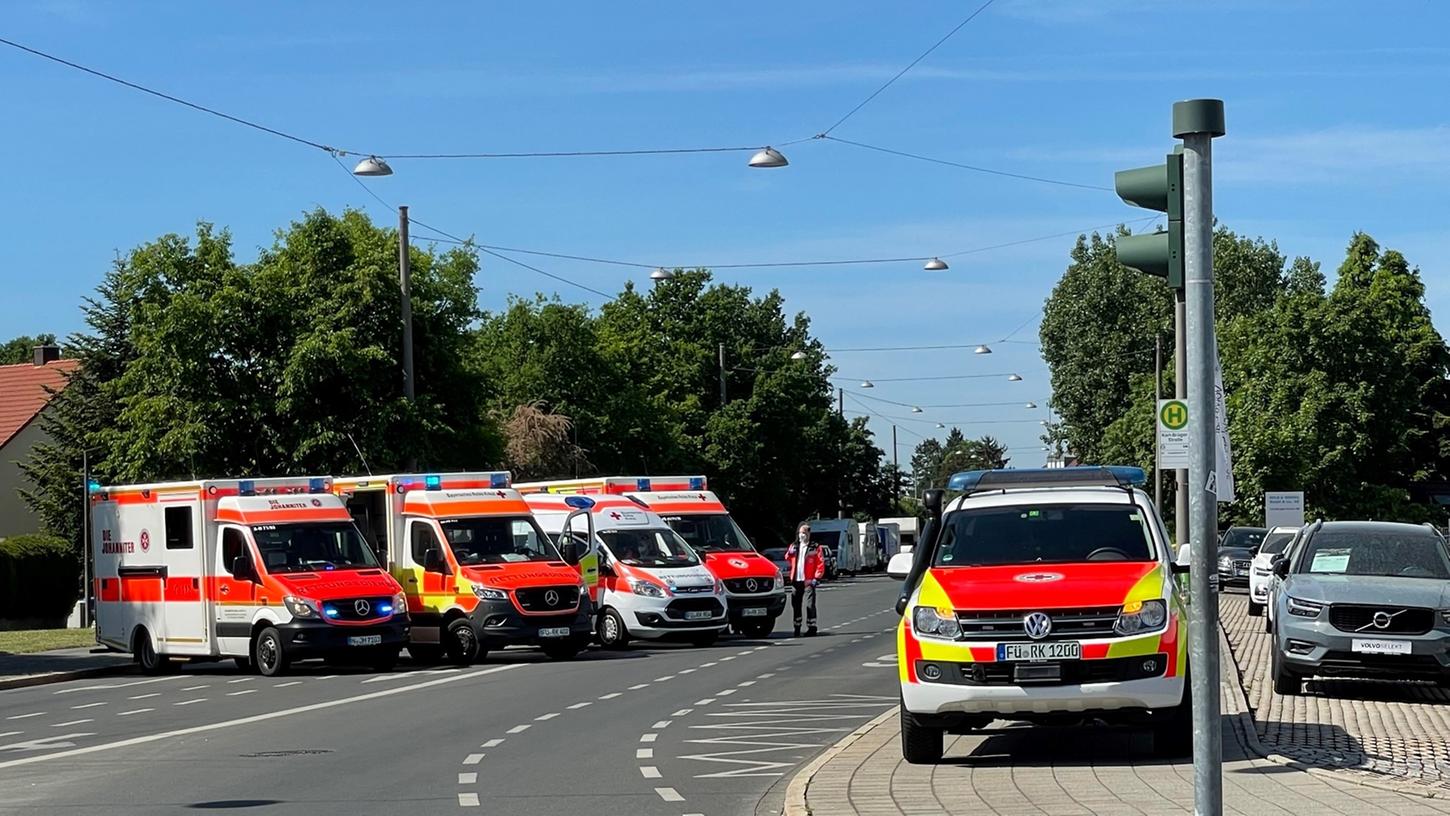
[(1335, 116)]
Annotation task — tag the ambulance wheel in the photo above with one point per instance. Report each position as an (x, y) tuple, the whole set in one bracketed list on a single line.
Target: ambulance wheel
[(705, 638), (384, 660), (920, 744), (758, 629), (150, 662), (612, 633), (245, 664), (461, 643), (425, 653), (562, 648), (269, 654)]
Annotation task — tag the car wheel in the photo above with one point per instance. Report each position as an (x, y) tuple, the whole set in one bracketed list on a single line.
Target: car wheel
[(705, 638), (269, 654), (758, 629), (146, 656), (1255, 609), (1285, 682), (385, 660), (1173, 728), (920, 744), (245, 664), (461, 643), (611, 631)]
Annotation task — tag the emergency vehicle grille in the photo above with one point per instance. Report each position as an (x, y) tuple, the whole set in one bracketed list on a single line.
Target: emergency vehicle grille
[(745, 586), (1397, 620), (1067, 624), (536, 599), (694, 590), (680, 606), (356, 609)]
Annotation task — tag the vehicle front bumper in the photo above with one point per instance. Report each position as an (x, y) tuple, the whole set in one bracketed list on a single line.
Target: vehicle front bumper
[(1008, 701), (313, 638), (773, 603), (1227, 577), (498, 623), (1314, 646), (662, 618), (1259, 588)]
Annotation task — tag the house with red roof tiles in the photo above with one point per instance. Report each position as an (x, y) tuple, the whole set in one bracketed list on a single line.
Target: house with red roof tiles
[(25, 390)]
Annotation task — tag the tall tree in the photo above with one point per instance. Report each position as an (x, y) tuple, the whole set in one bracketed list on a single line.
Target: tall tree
[(21, 349)]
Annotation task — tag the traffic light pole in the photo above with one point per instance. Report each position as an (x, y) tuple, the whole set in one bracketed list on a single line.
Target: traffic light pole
[(1197, 122), (1180, 391)]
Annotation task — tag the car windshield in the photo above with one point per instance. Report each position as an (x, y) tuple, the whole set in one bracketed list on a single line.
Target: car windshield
[(1245, 537), (649, 548), (1410, 554), (827, 539), (1274, 543), (326, 545), (775, 553), (497, 540), (716, 532), (1047, 534)]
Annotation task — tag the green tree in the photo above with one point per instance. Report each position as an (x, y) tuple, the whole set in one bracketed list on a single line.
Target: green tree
[(22, 348)]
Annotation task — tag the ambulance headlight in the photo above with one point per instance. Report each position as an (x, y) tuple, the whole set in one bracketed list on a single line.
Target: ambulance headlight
[(719, 587), (300, 607), (400, 604), (488, 593), (648, 589), (1141, 616), (931, 622)]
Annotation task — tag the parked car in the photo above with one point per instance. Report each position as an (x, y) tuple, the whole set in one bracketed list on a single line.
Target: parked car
[(777, 557), (1261, 570), (1363, 598), (1275, 581)]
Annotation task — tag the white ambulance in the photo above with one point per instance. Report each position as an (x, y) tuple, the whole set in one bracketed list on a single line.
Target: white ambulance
[(644, 580), (264, 571)]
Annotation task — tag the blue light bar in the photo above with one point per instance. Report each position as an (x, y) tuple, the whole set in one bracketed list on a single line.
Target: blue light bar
[(642, 485), (498, 480), (329, 611), (697, 482), (579, 502), (247, 487), (317, 484), (93, 486), (433, 482), (385, 609), (1022, 478)]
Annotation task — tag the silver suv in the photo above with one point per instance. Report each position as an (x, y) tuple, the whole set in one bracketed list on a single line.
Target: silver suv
[(1362, 598)]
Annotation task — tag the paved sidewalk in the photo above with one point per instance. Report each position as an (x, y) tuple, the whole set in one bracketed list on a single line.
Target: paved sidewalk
[(32, 669)]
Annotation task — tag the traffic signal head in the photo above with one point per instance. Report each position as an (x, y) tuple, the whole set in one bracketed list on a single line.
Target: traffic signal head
[(1160, 188)]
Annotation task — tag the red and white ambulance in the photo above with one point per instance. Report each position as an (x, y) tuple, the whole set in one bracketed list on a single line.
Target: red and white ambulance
[(478, 572), (754, 587), (265, 571)]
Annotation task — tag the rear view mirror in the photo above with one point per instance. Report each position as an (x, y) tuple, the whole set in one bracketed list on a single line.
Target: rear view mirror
[(569, 551), (242, 569), (1281, 568), (899, 566), (433, 560), (1184, 556)]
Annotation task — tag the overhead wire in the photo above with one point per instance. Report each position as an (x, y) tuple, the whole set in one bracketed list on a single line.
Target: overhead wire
[(972, 167)]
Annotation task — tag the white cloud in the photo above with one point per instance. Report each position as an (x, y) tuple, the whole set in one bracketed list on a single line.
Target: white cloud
[(1333, 155)]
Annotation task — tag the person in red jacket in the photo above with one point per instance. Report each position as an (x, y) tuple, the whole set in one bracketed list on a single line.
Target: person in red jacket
[(806, 567)]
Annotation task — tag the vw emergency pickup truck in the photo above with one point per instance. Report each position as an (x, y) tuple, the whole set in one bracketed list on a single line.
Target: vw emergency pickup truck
[(1041, 595)]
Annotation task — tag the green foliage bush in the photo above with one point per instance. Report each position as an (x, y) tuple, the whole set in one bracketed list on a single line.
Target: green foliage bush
[(39, 577)]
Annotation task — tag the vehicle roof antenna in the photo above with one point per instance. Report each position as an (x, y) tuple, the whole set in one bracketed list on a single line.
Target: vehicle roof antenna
[(360, 456)]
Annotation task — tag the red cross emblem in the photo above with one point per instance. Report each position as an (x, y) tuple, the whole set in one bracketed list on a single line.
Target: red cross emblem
[(615, 515)]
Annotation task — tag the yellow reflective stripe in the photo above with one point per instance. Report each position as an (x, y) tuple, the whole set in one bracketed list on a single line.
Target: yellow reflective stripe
[(1148, 588), (1135, 647), (931, 593)]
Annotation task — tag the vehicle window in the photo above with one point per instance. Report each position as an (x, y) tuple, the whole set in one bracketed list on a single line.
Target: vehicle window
[(233, 545), (323, 545), (649, 548), (178, 528), (1246, 537), (497, 540), (421, 540), (829, 540), (1054, 533), (716, 532), (775, 553), (1275, 543), (1376, 552)]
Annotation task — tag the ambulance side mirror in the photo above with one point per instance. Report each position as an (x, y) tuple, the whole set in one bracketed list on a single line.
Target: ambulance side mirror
[(242, 569), (899, 566), (433, 560), (569, 551)]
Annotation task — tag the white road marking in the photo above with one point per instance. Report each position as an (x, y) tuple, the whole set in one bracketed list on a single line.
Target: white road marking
[(468, 779), (288, 683), (326, 677), (196, 688), (759, 648), (642, 737), (240, 680), (638, 686), (661, 724), (472, 759), (134, 711), (649, 772), (240, 693), (745, 683), (114, 686), (578, 706), (86, 705), (518, 729), (682, 712), (725, 693), (144, 696), (706, 701), (669, 794), (545, 717), (746, 652), (686, 671), (189, 702), (708, 665), (255, 718), (468, 800), (765, 676), (610, 696), (639, 753), (4, 734), (395, 676), (493, 743), (75, 722), (727, 657), (26, 716), (46, 743), (663, 679)]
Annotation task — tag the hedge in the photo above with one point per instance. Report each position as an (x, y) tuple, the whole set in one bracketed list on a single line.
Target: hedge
[(39, 577)]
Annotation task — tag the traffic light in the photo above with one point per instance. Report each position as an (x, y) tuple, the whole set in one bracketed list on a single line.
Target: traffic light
[(1160, 188)]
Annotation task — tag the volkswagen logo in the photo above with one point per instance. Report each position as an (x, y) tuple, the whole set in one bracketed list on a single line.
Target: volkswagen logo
[(1037, 625), (750, 585), (1381, 619), (551, 598), (362, 607)]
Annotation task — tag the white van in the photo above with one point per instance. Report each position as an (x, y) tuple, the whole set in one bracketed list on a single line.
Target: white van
[(648, 584), (841, 537)]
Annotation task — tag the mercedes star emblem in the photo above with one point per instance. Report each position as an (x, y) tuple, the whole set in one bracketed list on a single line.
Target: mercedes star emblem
[(750, 585), (551, 598), (362, 607)]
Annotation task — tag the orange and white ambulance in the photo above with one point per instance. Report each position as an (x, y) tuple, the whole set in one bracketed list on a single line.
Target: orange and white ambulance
[(645, 580), (754, 587), (477, 571), (265, 571)]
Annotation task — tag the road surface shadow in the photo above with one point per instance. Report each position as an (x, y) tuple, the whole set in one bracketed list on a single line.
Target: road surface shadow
[(1014, 744)]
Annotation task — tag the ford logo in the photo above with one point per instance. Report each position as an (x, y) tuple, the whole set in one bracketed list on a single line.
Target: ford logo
[(1037, 625), (551, 598), (1038, 577), (362, 607)]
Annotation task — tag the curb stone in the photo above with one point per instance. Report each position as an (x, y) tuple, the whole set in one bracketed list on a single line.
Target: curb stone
[(795, 794), (27, 680)]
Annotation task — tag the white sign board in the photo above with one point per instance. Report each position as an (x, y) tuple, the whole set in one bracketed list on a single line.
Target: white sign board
[(1223, 458), (1172, 434), (1284, 508)]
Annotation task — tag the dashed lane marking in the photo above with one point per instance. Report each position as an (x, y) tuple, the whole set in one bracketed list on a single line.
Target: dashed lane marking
[(472, 759), (638, 686), (196, 688), (191, 702), (661, 724), (610, 696), (4, 734), (144, 696), (665, 678), (649, 772), (86, 705), (239, 680), (682, 712), (76, 722), (240, 693), (114, 686), (286, 684), (519, 729), (546, 717), (669, 794), (639, 753), (642, 737), (133, 711), (468, 800), (706, 701), (725, 693), (578, 706), (27, 716), (493, 743), (468, 779)]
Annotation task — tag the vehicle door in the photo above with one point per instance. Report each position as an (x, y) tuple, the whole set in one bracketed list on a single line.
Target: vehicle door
[(428, 576), (578, 546), (188, 621), (234, 597)]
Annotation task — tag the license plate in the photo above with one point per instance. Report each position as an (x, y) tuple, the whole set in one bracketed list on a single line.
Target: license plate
[(1059, 650), (1381, 646), (754, 612), (554, 631), (701, 615), (365, 640)]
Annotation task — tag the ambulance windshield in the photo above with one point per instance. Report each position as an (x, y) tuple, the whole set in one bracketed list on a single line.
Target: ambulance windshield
[(313, 546), (1050, 533), (649, 548), (497, 540), (716, 532)]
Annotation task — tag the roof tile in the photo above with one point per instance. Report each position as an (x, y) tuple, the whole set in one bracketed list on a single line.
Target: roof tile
[(23, 394)]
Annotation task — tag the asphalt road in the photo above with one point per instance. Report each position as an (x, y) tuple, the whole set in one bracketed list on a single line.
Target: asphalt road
[(650, 730)]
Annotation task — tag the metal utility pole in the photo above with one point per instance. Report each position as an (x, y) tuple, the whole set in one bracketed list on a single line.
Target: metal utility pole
[(1180, 391), (1197, 122), (1157, 395), (841, 401), (405, 285), (85, 538), (722, 375), (896, 465)]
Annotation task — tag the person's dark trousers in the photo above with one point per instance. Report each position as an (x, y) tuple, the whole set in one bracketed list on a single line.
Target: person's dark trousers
[(799, 589)]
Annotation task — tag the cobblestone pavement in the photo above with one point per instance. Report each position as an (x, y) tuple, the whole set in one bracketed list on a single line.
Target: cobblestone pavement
[(1371, 729)]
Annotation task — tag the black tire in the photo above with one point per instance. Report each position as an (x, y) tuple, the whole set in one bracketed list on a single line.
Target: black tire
[(920, 744), (270, 654), (562, 648), (245, 664), (758, 628), (1286, 682), (705, 638), (611, 631), (426, 653), (1268, 623), (384, 660), (150, 662), (1173, 728), (1255, 609), (461, 643)]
